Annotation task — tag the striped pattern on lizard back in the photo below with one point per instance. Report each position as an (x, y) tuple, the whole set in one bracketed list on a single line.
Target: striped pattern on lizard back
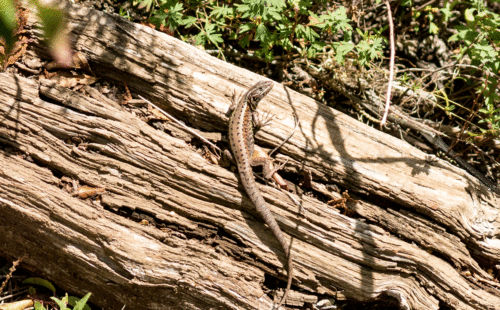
[(241, 140)]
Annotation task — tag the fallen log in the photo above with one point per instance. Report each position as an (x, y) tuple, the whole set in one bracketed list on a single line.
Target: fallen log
[(432, 228)]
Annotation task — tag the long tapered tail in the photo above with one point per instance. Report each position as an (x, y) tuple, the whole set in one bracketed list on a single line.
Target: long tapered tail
[(289, 282), (260, 204)]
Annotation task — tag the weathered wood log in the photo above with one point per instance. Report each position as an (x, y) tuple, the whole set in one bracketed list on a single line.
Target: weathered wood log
[(432, 230)]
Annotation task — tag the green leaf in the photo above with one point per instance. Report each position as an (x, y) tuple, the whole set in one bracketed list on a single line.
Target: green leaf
[(284, 32), (268, 10), (41, 282), (315, 48), (246, 27), (274, 14), (446, 12), (469, 35), (433, 28), (7, 23), (188, 21), (484, 52), (53, 26), (209, 34), (306, 33), (169, 14), (303, 6), (262, 33), (62, 303), (335, 21), (279, 4), (342, 49), (244, 9), (200, 39), (52, 20), (244, 41), (269, 56), (469, 15), (430, 16), (39, 306), (212, 36), (145, 4), (370, 47), (215, 38), (80, 304), (222, 11)]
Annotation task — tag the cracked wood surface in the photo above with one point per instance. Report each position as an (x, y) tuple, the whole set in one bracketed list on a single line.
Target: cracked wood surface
[(216, 251)]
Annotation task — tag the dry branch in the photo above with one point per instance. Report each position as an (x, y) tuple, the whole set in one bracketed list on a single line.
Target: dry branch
[(428, 216)]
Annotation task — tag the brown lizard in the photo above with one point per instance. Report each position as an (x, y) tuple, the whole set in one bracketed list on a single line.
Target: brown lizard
[(241, 139)]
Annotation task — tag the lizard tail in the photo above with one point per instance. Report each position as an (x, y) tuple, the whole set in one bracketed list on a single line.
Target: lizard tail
[(273, 225), (289, 282), (260, 205)]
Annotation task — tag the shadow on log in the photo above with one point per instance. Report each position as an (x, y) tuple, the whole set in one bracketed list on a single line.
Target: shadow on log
[(431, 230)]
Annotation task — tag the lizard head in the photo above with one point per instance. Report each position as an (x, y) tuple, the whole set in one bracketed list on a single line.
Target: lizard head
[(257, 92)]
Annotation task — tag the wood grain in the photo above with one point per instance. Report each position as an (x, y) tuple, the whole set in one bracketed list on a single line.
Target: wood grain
[(431, 227)]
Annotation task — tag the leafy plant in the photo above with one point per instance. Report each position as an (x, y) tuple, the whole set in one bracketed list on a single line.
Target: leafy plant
[(371, 46), (279, 27), (7, 23), (479, 39), (41, 282), (75, 302)]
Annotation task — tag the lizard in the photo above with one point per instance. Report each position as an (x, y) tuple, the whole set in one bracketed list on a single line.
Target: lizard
[(242, 144)]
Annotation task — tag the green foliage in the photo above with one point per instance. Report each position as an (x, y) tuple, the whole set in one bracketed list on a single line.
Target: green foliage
[(479, 39), (277, 26), (169, 14), (75, 302), (52, 23), (371, 46), (7, 23), (447, 12), (39, 306), (124, 13), (52, 20), (40, 282), (79, 303)]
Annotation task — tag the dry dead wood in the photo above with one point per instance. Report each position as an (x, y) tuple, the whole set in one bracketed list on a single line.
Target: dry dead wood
[(431, 223)]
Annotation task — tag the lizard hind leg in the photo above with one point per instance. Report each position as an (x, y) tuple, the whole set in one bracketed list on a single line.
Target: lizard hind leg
[(261, 158)]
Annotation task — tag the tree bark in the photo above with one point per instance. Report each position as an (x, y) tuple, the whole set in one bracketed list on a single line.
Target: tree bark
[(431, 232)]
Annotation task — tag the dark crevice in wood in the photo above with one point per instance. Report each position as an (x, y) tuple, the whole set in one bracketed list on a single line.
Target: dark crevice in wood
[(66, 106), (153, 173), (208, 234)]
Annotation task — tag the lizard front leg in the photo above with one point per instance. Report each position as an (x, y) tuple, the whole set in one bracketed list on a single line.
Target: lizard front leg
[(261, 121), (259, 156)]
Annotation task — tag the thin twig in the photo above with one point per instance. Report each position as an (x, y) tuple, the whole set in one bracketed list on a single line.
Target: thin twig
[(15, 293), (442, 68), (11, 271), (183, 125), (391, 64)]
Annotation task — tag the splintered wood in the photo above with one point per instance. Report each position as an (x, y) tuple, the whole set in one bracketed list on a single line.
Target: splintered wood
[(415, 225)]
